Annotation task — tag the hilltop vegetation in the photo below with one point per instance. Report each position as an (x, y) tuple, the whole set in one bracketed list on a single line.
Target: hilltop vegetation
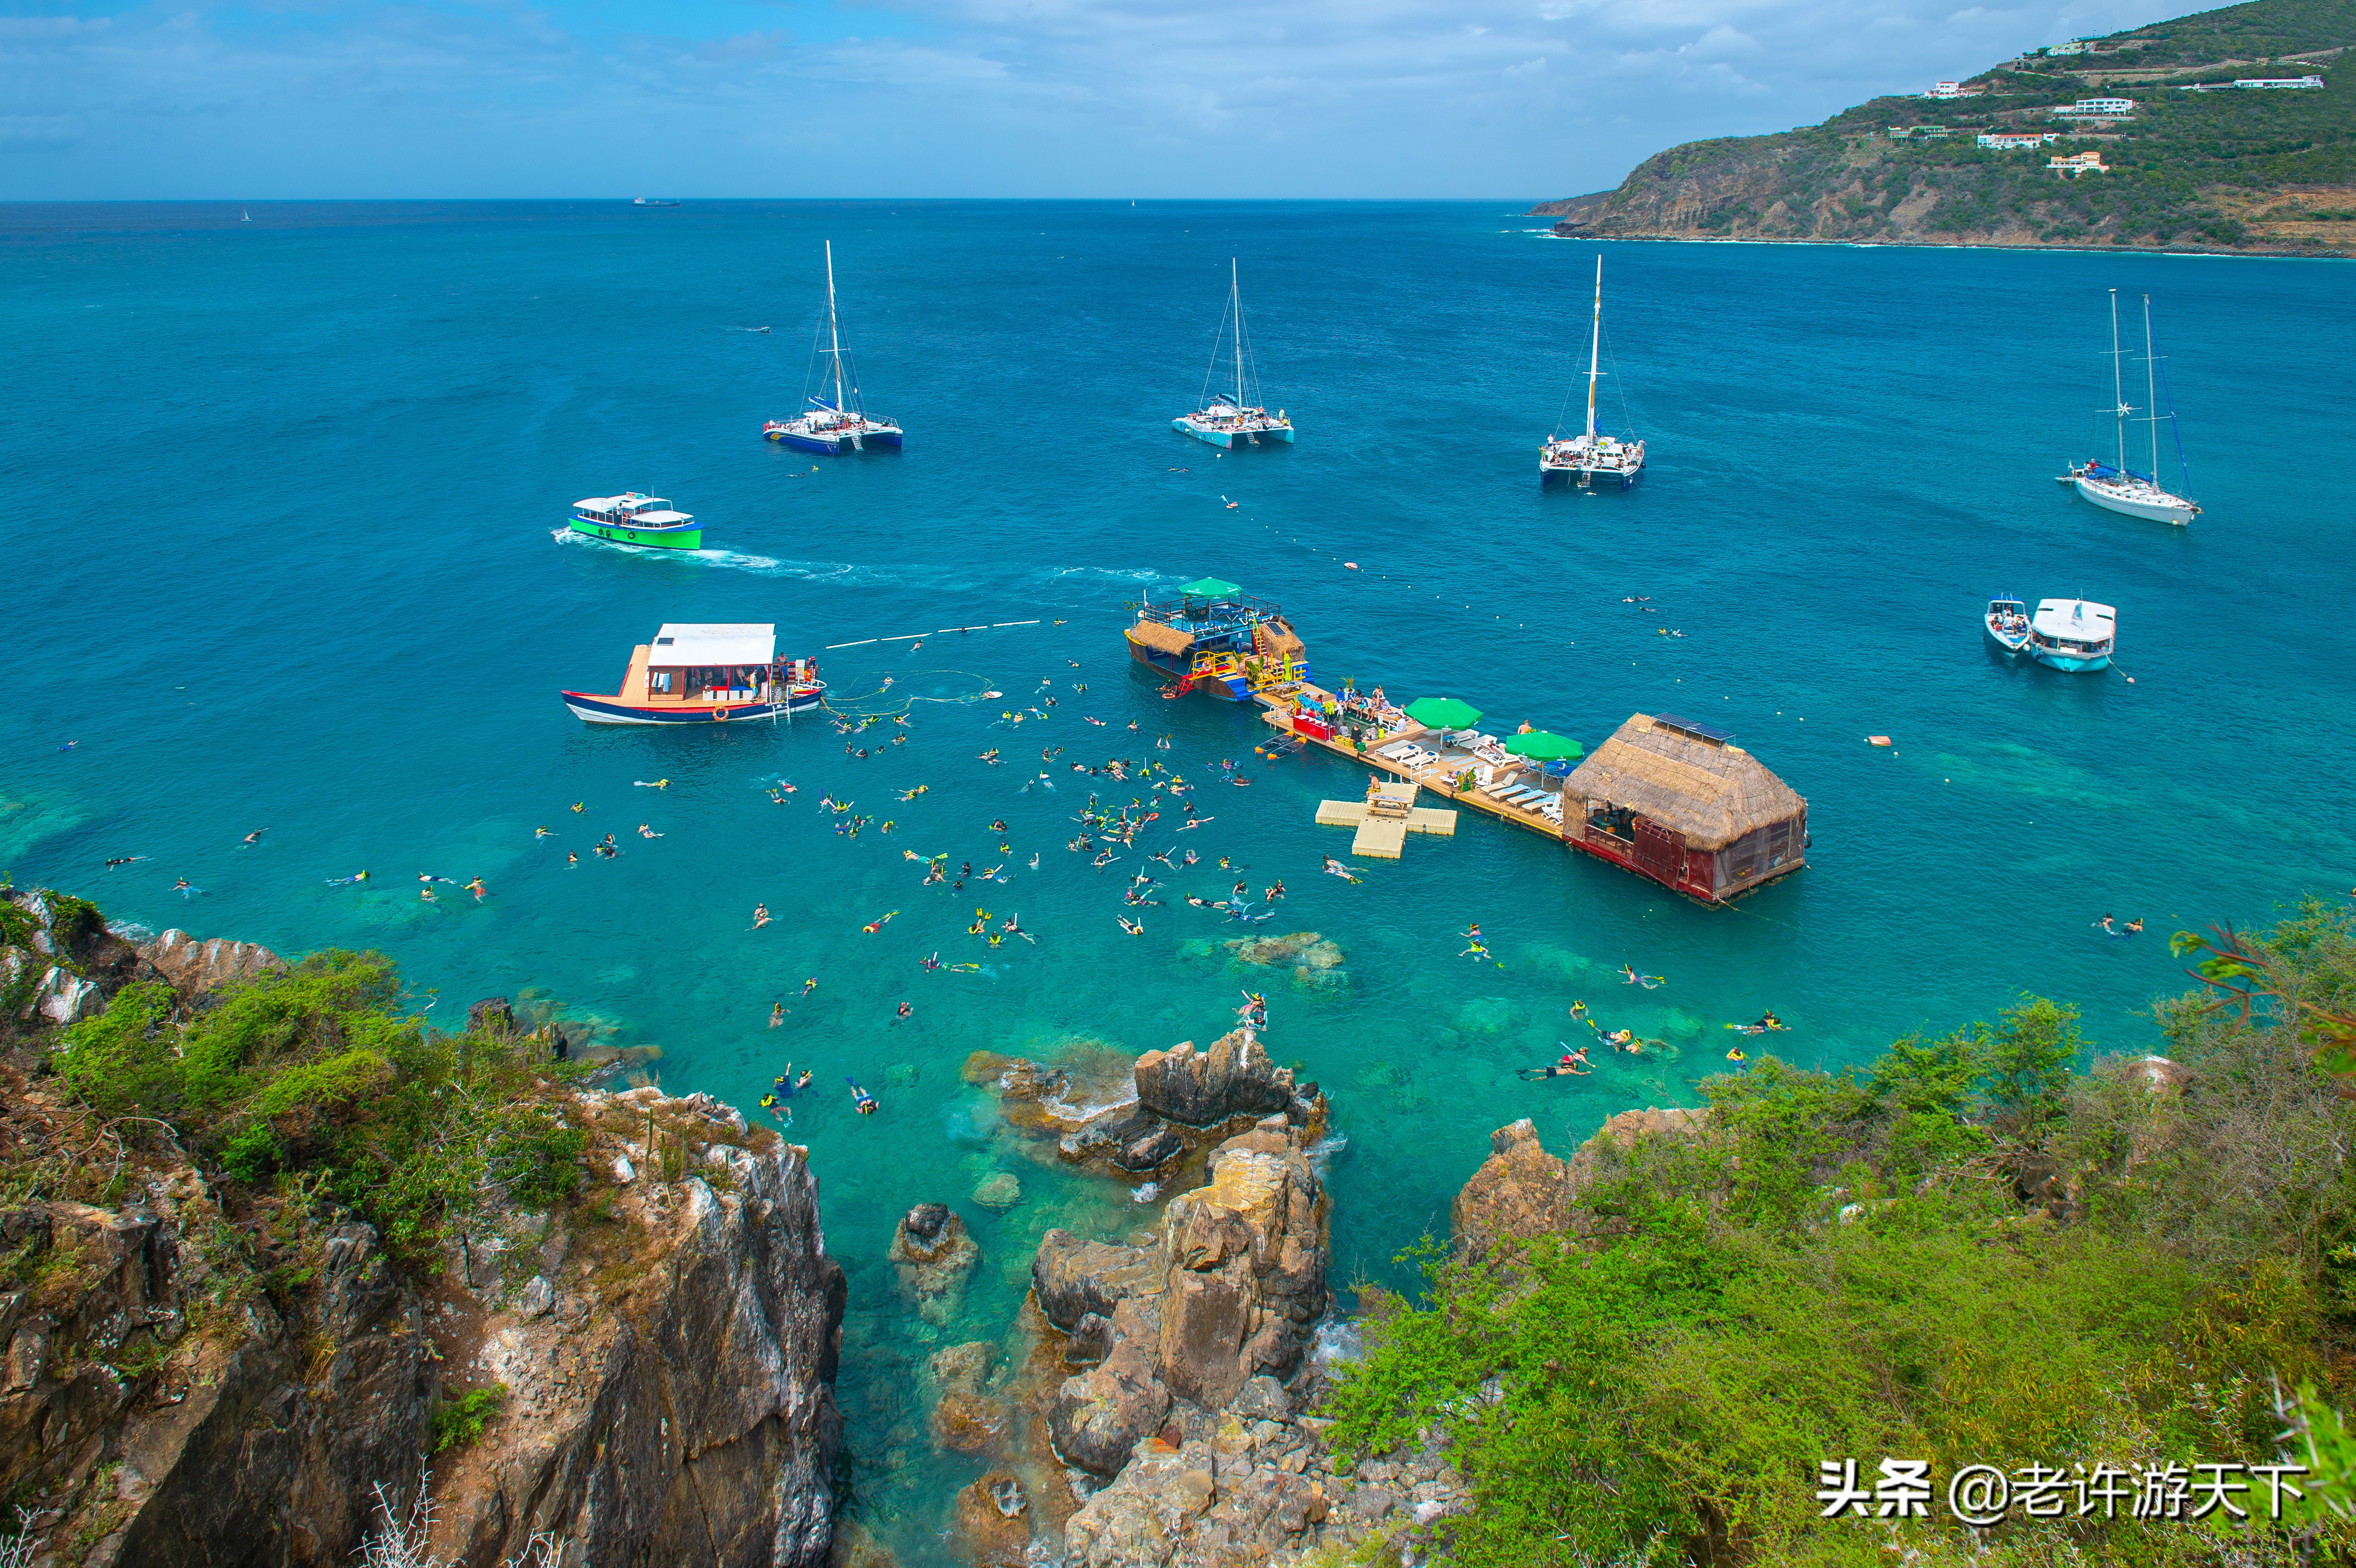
[(2249, 169), (1975, 1250)]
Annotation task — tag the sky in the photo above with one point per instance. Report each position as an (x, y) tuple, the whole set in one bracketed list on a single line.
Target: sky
[(1121, 98)]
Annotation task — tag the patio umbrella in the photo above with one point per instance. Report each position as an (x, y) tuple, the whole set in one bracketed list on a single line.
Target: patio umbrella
[(1209, 587), (1443, 713), (1543, 746)]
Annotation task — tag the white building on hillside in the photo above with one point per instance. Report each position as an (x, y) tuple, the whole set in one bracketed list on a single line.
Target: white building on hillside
[(1950, 89), (2076, 163), (2005, 141), (2097, 108)]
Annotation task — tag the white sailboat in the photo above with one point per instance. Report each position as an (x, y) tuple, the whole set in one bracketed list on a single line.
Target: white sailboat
[(841, 423), (1234, 418), (1589, 455), (2117, 487)]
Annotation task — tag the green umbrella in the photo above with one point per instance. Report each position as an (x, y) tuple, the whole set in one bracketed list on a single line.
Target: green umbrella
[(1443, 713), (1542, 746), (1209, 587)]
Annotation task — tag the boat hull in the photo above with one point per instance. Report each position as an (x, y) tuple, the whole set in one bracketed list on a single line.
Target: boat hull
[(1624, 478), (2155, 510), (2009, 646), (1178, 671), (643, 538), (1228, 440), (2072, 663), (596, 710), (835, 445)]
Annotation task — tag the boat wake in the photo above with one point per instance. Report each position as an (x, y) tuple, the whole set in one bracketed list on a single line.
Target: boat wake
[(847, 573)]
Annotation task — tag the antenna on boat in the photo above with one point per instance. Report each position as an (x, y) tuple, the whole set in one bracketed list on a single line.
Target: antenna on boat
[(1594, 348)]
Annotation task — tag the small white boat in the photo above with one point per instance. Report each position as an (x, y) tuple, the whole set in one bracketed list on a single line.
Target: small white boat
[(1231, 419), (2116, 487), (2075, 634), (1588, 456), (2007, 624)]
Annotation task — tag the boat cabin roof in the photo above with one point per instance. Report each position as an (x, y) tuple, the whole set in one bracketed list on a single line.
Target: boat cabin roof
[(628, 498), (684, 643), (662, 519), (2079, 620)]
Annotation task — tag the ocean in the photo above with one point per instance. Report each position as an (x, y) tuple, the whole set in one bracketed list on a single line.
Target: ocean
[(286, 556)]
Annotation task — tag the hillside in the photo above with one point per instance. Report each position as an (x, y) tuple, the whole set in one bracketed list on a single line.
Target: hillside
[(2243, 169)]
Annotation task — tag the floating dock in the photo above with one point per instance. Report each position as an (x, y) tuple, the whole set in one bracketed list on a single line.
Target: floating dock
[(1674, 802), (1385, 818)]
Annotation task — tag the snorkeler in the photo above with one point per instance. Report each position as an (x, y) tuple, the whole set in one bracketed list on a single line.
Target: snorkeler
[(256, 837), (1628, 977), (872, 926), (541, 832), (905, 1011), (1335, 867), (760, 915), (776, 1013), (861, 1097), (476, 888), (1134, 927), (809, 984)]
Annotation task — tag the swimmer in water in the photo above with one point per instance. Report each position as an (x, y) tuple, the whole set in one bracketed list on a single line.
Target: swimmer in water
[(1336, 869), (905, 1011), (256, 837), (872, 926), (1736, 1055), (184, 888), (809, 984), (580, 806), (541, 832), (1134, 928), (647, 831), (861, 1097), (776, 1013), (573, 856), (760, 915), (1628, 977), (476, 888)]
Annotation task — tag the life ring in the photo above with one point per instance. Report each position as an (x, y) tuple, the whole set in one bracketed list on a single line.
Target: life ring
[(719, 715)]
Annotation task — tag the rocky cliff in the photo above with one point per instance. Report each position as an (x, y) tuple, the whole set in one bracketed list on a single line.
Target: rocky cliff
[(205, 1370)]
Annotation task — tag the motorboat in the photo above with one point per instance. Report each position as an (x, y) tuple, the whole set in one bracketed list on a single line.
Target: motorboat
[(2007, 624), (705, 672), (648, 522), (2075, 634)]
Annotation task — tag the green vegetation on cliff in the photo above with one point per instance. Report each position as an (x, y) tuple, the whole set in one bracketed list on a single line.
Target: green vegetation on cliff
[(1965, 1253), (2264, 169)]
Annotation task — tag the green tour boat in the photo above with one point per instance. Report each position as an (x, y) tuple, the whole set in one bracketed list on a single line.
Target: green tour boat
[(631, 519)]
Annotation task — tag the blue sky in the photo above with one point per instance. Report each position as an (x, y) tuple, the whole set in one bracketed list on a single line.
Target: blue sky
[(1138, 99)]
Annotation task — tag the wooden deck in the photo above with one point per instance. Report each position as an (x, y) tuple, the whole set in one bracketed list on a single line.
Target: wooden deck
[(1435, 779)]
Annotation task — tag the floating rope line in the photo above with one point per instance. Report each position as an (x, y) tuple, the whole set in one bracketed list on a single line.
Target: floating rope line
[(855, 703), (937, 632)]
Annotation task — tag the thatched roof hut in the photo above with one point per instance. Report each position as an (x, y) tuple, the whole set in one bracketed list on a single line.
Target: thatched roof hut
[(1681, 803), (1708, 790), (1164, 639)]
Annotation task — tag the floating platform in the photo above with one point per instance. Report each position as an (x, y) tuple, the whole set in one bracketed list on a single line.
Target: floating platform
[(1385, 818)]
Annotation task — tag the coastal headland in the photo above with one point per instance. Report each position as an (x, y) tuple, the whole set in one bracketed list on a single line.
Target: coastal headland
[(2227, 130)]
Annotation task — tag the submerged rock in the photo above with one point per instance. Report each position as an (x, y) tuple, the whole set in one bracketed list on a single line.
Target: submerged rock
[(932, 1257), (965, 1419), (1000, 1190), (993, 1525)]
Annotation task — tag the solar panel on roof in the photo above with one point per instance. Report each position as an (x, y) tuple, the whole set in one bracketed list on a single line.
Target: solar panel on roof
[(1705, 732)]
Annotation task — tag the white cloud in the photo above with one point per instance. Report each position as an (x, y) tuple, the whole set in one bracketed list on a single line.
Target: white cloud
[(983, 97)]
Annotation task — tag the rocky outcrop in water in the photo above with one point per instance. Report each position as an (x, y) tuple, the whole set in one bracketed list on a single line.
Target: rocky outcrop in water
[(932, 1257), (1201, 1089)]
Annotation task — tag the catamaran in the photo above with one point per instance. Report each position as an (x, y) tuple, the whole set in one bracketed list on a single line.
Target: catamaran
[(1588, 456), (832, 426), (1234, 418), (2119, 489)]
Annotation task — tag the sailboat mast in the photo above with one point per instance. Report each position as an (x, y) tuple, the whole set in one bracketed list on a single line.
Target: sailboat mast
[(2118, 390), (2151, 388), (834, 327), (1236, 304), (1594, 350)]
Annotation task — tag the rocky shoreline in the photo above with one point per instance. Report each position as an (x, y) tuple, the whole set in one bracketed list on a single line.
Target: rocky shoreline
[(665, 1349)]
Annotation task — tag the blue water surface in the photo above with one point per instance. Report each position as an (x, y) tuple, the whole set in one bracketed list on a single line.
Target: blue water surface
[(286, 499)]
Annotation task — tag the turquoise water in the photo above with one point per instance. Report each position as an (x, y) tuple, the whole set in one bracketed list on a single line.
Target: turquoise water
[(282, 542)]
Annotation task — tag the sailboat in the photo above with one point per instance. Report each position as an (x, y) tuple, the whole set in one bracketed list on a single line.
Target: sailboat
[(1234, 418), (243, 216), (2119, 489), (832, 425), (1589, 455)]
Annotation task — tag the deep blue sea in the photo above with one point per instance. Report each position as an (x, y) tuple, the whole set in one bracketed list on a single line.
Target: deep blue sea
[(284, 556)]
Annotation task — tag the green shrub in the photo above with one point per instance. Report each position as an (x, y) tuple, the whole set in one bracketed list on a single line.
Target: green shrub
[(456, 1423)]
